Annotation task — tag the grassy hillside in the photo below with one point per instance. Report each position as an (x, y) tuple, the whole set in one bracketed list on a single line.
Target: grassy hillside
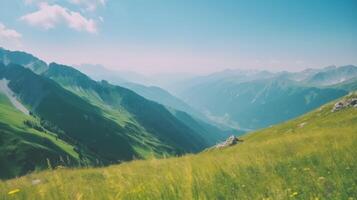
[(311, 157), (24, 149)]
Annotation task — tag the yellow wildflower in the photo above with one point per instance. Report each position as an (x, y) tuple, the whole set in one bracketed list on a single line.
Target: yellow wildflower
[(294, 194), (13, 191)]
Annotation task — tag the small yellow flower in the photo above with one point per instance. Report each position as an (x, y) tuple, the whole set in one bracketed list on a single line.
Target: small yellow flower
[(13, 191), (294, 194), (306, 169)]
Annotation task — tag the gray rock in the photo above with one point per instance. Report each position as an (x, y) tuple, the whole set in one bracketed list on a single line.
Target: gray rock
[(232, 140), (345, 103)]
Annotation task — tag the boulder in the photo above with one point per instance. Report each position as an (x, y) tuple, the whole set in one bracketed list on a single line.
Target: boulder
[(345, 103), (232, 140)]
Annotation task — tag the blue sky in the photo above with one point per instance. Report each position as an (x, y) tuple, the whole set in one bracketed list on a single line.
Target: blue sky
[(200, 36)]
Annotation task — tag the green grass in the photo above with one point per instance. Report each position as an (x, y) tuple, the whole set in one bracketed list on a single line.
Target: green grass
[(311, 157)]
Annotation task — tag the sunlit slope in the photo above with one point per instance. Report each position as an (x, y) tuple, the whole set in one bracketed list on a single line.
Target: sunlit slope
[(24, 149), (311, 157)]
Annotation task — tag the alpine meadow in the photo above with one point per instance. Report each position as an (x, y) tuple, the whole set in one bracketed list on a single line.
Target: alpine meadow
[(170, 99)]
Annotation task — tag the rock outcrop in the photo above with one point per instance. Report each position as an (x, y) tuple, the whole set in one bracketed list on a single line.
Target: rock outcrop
[(345, 103), (232, 140)]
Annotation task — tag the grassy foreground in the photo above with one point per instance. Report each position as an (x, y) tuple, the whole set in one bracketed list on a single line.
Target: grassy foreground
[(311, 157)]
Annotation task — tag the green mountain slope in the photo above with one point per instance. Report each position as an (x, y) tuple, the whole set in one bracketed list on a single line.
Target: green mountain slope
[(24, 148), (70, 113), (311, 157), (139, 113)]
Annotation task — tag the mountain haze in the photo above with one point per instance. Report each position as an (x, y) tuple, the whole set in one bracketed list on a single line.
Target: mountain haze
[(257, 99)]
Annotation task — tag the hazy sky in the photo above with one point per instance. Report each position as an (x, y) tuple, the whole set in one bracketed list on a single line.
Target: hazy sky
[(200, 36)]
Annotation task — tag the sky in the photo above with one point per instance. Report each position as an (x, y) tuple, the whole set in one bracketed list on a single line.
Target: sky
[(171, 36)]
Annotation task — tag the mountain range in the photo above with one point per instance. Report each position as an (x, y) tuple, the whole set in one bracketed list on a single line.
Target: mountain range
[(243, 99), (258, 99), (79, 121)]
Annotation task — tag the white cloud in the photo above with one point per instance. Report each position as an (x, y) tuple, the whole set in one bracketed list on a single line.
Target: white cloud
[(8, 37), (49, 16), (7, 33), (90, 5)]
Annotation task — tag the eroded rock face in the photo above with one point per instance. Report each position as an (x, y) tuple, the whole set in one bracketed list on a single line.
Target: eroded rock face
[(232, 140), (345, 103)]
